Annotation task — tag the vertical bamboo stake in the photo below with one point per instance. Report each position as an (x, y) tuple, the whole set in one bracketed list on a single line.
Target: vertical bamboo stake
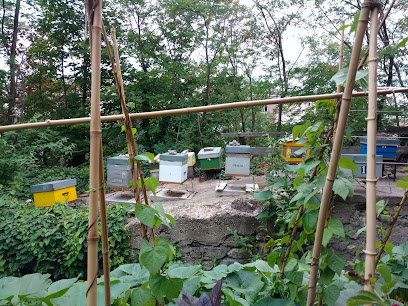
[(371, 199), (128, 122), (95, 19), (337, 144), (338, 102), (104, 233)]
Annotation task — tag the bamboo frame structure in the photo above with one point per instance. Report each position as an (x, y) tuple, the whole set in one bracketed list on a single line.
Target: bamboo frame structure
[(371, 198), (337, 145), (197, 109), (95, 20)]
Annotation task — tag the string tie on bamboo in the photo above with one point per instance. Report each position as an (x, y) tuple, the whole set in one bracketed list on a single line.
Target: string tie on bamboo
[(329, 179), (95, 132), (370, 118), (375, 59)]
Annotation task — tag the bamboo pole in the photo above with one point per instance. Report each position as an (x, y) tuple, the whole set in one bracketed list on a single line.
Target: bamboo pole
[(394, 220), (128, 126), (371, 197), (337, 145), (104, 231), (128, 129), (364, 58), (198, 109), (95, 151)]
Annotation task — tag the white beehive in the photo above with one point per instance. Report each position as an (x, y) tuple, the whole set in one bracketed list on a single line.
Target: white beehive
[(173, 168)]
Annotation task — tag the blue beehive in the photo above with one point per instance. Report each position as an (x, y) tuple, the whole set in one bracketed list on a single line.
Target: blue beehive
[(385, 147)]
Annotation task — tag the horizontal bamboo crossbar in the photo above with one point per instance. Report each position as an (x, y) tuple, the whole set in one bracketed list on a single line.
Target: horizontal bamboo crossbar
[(198, 109)]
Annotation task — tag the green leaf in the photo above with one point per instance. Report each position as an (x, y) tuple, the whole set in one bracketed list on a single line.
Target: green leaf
[(331, 294), (134, 131), (296, 131), (154, 258), (122, 128), (365, 297), (386, 288), (402, 184), (263, 195), (309, 220), (142, 297), (152, 184), (326, 276), (21, 287), (144, 157), (402, 43), (151, 156), (336, 262), (327, 235), (385, 272), (379, 207), (336, 227), (164, 286), (291, 265), (171, 219), (295, 277), (347, 163), (145, 214), (182, 271), (340, 188)]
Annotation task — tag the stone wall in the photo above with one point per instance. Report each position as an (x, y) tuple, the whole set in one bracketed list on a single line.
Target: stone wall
[(203, 232)]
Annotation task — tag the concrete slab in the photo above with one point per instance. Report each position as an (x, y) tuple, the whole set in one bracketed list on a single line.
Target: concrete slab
[(236, 189), (172, 195), (122, 197)]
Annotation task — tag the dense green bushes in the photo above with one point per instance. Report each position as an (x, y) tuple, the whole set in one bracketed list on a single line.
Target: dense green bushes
[(53, 239)]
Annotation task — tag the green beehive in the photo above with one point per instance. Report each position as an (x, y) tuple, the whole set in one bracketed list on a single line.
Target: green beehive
[(210, 158)]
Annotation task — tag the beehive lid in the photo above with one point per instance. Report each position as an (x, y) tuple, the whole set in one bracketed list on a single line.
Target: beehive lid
[(382, 141), (237, 149), (54, 185), (210, 152), (118, 160), (173, 157)]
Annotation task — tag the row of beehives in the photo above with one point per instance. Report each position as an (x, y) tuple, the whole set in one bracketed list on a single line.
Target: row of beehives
[(177, 167), (173, 167)]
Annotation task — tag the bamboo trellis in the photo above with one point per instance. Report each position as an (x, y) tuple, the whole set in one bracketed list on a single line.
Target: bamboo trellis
[(96, 175)]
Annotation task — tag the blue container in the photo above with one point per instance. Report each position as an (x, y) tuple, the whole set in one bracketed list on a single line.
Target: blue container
[(385, 147)]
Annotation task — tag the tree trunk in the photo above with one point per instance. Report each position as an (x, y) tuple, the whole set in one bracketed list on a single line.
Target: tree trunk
[(13, 67)]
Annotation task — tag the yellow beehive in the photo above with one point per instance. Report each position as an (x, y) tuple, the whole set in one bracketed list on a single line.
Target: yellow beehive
[(289, 148), (47, 194)]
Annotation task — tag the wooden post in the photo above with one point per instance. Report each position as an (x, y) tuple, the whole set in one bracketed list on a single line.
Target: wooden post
[(337, 144), (371, 199), (95, 19)]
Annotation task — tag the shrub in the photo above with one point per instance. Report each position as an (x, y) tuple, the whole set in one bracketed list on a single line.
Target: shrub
[(53, 239)]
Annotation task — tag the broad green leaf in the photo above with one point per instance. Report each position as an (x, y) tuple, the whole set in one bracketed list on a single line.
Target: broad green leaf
[(57, 289), (385, 273), (142, 157), (302, 150), (336, 262), (134, 274), (182, 271), (327, 235), (164, 286), (159, 209), (192, 284), (145, 214), (134, 131), (142, 297), (154, 258), (291, 265), (402, 184), (365, 297), (263, 195), (171, 219), (151, 156), (261, 266), (152, 184), (336, 227), (27, 285), (296, 131), (295, 277), (217, 273), (326, 276), (347, 163), (309, 220), (248, 282), (331, 294), (122, 128), (340, 188)]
